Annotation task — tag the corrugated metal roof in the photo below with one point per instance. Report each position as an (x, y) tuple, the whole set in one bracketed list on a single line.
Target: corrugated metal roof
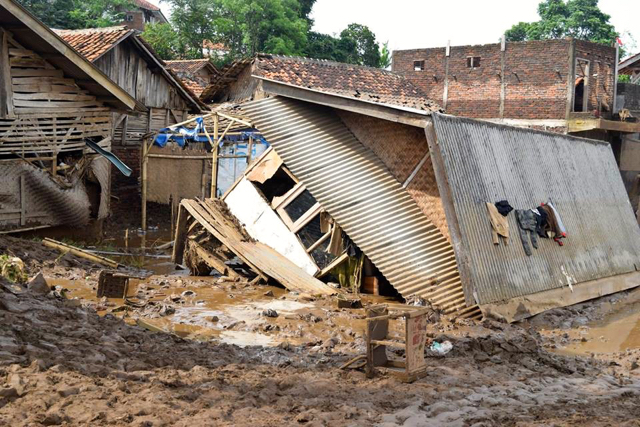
[(486, 162), (356, 188)]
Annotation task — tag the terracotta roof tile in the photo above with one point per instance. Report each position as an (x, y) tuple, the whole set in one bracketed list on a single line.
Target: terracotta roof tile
[(355, 81), (187, 66), (197, 86), (92, 43), (144, 4)]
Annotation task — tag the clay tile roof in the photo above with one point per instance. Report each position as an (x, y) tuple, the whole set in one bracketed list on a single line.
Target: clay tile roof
[(355, 81), (92, 43), (144, 4), (187, 66), (196, 86)]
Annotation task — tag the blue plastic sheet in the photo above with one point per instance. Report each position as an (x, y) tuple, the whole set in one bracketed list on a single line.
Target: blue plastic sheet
[(183, 134)]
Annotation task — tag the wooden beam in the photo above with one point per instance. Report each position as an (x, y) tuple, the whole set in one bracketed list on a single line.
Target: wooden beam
[(214, 158), (23, 201), (6, 90)]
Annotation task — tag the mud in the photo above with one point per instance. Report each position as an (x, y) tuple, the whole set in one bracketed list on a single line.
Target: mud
[(68, 361)]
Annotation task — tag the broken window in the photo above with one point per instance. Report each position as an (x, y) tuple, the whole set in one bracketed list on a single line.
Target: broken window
[(320, 254), (300, 205), (473, 62), (418, 65), (310, 232), (276, 186)]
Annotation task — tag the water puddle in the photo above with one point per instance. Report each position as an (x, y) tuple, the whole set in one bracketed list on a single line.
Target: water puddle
[(616, 332)]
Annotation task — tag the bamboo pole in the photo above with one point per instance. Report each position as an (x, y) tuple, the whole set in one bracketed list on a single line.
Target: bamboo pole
[(144, 165), (64, 248), (214, 165)]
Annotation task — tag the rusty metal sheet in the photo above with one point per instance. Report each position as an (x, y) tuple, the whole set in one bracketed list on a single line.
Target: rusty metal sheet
[(357, 189), (486, 162)]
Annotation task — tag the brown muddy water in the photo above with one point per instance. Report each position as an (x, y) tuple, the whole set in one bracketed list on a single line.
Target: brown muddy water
[(228, 312), (617, 331)]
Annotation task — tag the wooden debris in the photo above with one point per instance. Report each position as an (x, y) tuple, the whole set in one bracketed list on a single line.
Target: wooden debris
[(64, 248), (263, 260)]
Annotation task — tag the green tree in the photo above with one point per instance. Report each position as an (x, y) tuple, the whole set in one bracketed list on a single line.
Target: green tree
[(385, 56), (163, 39), (360, 45), (580, 19), (271, 26), (75, 14), (194, 22)]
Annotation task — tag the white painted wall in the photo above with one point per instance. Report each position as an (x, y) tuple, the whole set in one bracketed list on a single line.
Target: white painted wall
[(263, 224)]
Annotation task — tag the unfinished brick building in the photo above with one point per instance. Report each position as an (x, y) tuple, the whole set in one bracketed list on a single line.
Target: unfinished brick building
[(563, 85)]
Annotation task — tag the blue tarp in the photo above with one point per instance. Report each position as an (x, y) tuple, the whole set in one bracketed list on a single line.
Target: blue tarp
[(185, 134)]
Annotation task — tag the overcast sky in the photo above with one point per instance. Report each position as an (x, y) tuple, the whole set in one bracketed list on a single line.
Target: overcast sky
[(410, 24)]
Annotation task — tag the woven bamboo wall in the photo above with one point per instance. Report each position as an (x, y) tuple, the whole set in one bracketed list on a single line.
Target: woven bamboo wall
[(178, 178), (401, 147)]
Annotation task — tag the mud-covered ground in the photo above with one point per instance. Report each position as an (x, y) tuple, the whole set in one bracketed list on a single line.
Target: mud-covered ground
[(64, 364)]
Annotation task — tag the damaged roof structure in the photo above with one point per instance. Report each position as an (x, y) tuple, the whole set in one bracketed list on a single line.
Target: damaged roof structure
[(55, 105), (409, 186), (196, 74), (128, 60)]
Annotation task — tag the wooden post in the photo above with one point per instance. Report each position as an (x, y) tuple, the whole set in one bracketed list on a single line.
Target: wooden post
[(180, 236), (6, 89), (23, 201), (143, 172), (503, 82), (214, 158), (250, 150)]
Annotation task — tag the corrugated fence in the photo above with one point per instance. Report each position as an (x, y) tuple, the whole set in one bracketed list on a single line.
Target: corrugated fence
[(356, 188), (486, 163)]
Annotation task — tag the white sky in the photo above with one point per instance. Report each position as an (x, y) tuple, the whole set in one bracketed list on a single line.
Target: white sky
[(408, 24)]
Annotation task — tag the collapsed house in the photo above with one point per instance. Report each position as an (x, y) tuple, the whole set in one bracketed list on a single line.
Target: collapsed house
[(55, 117), (130, 62), (409, 187), (196, 74)]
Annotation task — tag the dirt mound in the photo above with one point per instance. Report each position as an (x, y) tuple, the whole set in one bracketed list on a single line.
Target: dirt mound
[(37, 256)]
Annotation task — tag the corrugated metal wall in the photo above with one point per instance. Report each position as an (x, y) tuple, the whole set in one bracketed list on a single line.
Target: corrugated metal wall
[(355, 187), (486, 163)]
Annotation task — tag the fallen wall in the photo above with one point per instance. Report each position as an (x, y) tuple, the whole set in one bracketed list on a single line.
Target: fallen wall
[(483, 162)]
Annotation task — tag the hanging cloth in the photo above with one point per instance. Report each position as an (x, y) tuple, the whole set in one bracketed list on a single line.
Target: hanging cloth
[(499, 224)]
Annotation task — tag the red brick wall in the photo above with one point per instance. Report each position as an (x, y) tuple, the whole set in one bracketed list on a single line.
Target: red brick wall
[(601, 72), (131, 157), (536, 77)]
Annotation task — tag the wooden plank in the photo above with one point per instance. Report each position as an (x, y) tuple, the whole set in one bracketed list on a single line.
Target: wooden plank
[(53, 104), (214, 262), (46, 87), (181, 234), (6, 91), (54, 96), (23, 201), (27, 62), (44, 79), (36, 72)]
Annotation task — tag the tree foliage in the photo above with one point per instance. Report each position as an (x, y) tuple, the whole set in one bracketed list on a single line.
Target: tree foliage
[(251, 26), (385, 56), (580, 19), (75, 14), (164, 40), (245, 27), (360, 45)]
